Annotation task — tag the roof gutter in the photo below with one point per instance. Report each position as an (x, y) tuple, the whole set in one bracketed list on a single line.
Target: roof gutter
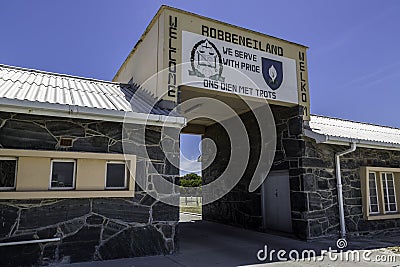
[(58, 110), (345, 141)]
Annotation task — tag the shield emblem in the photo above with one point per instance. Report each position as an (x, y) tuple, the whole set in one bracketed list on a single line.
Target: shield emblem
[(272, 71)]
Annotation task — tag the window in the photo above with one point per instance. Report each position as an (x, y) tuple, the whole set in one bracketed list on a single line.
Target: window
[(373, 194), (8, 172), (389, 192), (116, 175), (379, 194), (40, 174), (62, 174)]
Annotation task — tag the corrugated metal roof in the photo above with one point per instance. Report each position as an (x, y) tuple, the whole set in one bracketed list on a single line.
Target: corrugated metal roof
[(45, 87), (354, 130)]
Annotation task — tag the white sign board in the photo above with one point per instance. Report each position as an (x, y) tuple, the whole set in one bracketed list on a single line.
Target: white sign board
[(231, 68)]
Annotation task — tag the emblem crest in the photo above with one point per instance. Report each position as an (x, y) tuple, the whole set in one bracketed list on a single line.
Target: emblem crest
[(272, 71), (206, 61)]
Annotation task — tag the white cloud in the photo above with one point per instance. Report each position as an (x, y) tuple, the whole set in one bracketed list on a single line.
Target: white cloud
[(189, 166)]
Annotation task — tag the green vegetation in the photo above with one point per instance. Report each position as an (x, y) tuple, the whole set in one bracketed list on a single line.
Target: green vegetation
[(190, 180)]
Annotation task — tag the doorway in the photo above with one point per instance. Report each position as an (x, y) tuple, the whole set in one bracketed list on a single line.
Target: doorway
[(276, 209), (190, 205)]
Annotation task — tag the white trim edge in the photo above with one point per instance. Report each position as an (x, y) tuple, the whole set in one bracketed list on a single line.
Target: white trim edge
[(344, 141), (59, 110)]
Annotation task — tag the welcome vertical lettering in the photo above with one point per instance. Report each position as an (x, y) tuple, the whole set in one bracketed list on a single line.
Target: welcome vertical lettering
[(173, 35)]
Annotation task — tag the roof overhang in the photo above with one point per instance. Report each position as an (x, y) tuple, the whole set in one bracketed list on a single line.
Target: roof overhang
[(344, 141), (77, 112)]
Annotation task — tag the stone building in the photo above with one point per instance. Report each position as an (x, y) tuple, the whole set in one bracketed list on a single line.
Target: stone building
[(369, 174), (88, 206), (306, 153), (83, 162)]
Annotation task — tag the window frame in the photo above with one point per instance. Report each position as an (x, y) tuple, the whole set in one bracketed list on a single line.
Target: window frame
[(73, 176), (386, 197), (365, 190), (125, 175), (8, 188), (376, 191)]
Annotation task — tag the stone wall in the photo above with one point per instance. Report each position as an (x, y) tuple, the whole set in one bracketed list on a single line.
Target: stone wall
[(319, 212), (239, 207), (90, 229), (312, 177)]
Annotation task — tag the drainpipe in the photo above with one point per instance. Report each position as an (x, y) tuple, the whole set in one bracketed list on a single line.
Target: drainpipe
[(340, 188), (35, 241)]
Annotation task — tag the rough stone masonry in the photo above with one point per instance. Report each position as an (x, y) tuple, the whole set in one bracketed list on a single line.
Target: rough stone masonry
[(90, 229)]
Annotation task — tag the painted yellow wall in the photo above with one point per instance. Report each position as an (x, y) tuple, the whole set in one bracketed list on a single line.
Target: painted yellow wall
[(33, 174), (141, 61), (34, 167), (91, 174)]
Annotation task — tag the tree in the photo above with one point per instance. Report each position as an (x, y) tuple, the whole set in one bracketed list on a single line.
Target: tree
[(191, 180), (191, 176)]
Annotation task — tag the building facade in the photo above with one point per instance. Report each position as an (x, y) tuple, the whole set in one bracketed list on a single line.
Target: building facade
[(83, 162), (86, 216)]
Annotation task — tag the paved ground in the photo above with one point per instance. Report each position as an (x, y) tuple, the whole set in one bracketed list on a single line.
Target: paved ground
[(185, 217), (209, 244)]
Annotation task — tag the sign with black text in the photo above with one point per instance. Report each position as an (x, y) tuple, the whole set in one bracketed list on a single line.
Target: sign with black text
[(227, 67)]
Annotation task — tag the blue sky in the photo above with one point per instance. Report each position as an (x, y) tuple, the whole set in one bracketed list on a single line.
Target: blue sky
[(353, 60)]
